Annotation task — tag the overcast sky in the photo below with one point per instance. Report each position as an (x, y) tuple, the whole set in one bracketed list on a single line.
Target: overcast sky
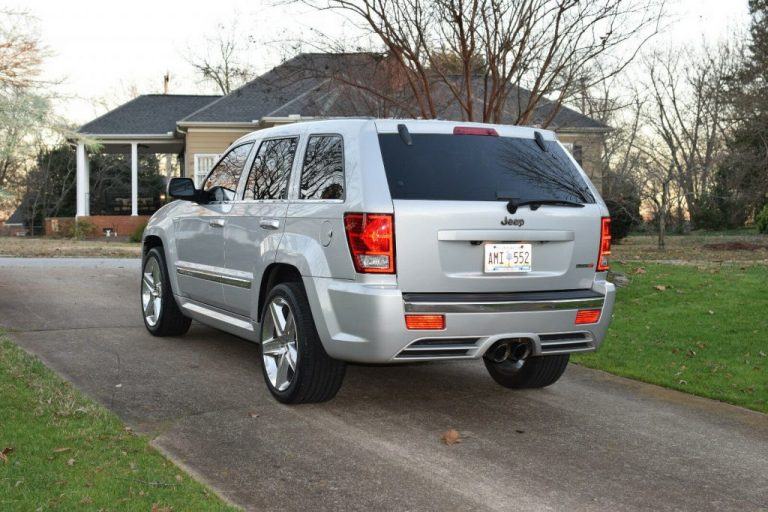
[(100, 50)]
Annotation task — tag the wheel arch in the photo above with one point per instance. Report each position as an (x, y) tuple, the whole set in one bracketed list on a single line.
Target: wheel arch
[(274, 274)]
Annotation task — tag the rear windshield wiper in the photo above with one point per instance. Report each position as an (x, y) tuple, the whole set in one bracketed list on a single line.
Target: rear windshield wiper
[(534, 204)]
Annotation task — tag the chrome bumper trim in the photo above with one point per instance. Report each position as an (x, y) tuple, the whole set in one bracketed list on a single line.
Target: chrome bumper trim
[(213, 276), (502, 307)]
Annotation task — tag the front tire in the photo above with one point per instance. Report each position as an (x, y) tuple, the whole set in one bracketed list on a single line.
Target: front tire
[(295, 365), (161, 314), (532, 372)]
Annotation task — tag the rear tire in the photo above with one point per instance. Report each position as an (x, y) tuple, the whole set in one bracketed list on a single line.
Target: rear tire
[(161, 314), (295, 365), (533, 372)]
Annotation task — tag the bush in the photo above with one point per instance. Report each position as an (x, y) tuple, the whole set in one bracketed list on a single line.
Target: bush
[(624, 214), (138, 233), (81, 229), (761, 220)]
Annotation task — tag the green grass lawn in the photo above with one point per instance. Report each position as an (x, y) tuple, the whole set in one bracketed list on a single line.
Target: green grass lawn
[(62, 451), (699, 330)]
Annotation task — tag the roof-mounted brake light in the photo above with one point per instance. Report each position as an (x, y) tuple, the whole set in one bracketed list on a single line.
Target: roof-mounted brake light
[(475, 130)]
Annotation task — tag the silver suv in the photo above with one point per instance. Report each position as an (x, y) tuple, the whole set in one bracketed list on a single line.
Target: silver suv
[(386, 241)]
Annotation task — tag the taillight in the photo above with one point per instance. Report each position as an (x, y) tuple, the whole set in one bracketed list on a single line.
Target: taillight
[(587, 316), (605, 244), (371, 238), (475, 130)]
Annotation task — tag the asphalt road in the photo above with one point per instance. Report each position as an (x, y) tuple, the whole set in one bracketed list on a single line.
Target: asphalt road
[(590, 442)]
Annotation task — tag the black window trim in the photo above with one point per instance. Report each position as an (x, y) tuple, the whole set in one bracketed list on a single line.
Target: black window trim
[(298, 198), (222, 157), (241, 196)]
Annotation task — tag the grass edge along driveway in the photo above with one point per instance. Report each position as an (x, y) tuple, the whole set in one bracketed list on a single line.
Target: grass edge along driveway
[(701, 330), (63, 451)]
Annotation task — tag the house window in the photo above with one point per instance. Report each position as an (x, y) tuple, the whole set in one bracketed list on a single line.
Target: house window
[(574, 150), (203, 165)]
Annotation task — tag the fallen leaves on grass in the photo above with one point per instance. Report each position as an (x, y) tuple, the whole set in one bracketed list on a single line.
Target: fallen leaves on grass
[(71, 462), (158, 508), (450, 437), (660, 287), (639, 270), (61, 450), (4, 453)]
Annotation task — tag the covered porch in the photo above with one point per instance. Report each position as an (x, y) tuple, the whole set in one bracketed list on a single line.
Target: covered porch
[(168, 146)]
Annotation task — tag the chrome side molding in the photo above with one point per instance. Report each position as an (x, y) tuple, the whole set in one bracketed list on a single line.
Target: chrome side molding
[(210, 275)]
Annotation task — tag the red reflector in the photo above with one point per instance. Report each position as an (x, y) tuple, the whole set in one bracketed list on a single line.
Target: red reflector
[(371, 241), (587, 316), (422, 322), (475, 130), (605, 244)]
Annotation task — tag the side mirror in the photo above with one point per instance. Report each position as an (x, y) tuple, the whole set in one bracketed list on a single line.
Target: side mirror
[(183, 188)]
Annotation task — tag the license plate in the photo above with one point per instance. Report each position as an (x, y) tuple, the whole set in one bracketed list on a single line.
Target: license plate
[(508, 258)]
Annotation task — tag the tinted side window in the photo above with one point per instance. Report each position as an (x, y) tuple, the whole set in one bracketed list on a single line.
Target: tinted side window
[(271, 170), (223, 179), (322, 176)]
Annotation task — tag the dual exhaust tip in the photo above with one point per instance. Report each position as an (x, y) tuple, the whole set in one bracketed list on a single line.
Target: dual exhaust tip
[(514, 350)]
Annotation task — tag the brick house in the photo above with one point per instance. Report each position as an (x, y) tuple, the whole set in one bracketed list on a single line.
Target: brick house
[(197, 129)]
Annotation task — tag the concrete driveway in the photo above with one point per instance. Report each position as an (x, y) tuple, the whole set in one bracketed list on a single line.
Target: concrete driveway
[(591, 442)]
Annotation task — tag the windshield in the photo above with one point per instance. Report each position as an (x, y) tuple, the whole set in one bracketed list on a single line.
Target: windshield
[(480, 168)]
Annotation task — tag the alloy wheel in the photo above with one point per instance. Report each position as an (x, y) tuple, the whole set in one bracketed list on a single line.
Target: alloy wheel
[(279, 347), (151, 292)]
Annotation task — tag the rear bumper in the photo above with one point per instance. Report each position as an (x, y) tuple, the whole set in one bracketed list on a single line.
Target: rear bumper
[(365, 323)]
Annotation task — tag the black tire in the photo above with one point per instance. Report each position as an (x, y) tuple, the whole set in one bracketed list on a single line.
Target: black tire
[(317, 377), (533, 372), (171, 321)]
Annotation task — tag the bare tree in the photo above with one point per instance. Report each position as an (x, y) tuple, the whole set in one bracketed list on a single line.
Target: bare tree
[(20, 50), (687, 115), (222, 61), (477, 53)]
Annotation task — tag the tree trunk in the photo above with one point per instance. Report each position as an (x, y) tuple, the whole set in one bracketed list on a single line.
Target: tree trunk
[(663, 215)]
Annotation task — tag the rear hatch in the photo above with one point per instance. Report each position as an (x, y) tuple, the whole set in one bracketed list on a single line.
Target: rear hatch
[(477, 212)]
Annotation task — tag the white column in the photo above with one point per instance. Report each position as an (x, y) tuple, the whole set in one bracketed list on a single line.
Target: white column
[(134, 179), (87, 163), (168, 168), (81, 182)]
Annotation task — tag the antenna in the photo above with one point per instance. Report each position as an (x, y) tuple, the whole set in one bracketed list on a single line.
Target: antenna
[(166, 81)]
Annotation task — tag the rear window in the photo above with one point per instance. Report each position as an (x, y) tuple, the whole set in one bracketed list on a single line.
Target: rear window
[(480, 168)]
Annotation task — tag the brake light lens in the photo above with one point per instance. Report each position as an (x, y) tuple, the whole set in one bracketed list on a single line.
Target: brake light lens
[(605, 245), (371, 238), (587, 316), (425, 322), (475, 130)]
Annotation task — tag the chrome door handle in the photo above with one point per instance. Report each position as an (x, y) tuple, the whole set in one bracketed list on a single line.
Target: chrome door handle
[(216, 223), (270, 223)]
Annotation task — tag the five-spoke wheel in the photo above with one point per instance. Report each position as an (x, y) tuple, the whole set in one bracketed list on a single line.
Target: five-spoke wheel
[(162, 316), (279, 346), (151, 291)]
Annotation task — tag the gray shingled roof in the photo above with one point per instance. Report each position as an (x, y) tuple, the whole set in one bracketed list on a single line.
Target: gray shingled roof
[(150, 114), (312, 85)]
